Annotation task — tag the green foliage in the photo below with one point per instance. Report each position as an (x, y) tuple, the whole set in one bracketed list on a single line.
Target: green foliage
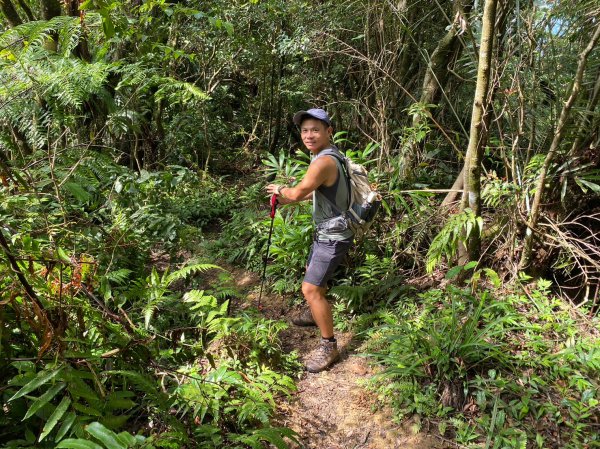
[(456, 231), (236, 383), (520, 367), (159, 204), (284, 169), (368, 287), (116, 330), (112, 127), (447, 342), (242, 238), (291, 241), (498, 193)]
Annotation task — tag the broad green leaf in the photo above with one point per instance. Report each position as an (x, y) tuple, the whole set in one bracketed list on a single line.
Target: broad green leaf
[(591, 185), (453, 272), (107, 24), (114, 421), (563, 191), (78, 388), (42, 378), (66, 425), (228, 28), (148, 316), (77, 443), (274, 436), (86, 410), (59, 411), (127, 439), (77, 191), (471, 265), (106, 436), (62, 255), (43, 399), (116, 403), (469, 228), (480, 223), (493, 276)]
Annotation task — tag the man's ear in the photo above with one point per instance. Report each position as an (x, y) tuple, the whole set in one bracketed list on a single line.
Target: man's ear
[(330, 131)]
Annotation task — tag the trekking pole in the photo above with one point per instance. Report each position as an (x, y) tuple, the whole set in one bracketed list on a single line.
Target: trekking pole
[(273, 203)]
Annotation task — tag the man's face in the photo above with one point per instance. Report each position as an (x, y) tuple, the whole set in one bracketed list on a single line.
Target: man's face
[(315, 134)]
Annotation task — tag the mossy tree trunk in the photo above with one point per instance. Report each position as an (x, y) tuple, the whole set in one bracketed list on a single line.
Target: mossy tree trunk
[(472, 171)]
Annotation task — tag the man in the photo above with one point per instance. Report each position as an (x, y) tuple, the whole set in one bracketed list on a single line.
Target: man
[(325, 182)]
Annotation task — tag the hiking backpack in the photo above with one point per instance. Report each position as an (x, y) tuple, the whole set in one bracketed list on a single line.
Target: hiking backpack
[(364, 200)]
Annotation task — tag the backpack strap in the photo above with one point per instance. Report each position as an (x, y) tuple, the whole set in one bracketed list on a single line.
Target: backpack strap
[(342, 159)]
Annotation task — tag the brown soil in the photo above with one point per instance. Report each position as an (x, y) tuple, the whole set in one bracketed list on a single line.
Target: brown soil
[(331, 410)]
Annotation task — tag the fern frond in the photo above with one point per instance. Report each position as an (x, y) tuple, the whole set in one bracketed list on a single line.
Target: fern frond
[(118, 277), (178, 91), (190, 269), (141, 382), (148, 311), (458, 228)]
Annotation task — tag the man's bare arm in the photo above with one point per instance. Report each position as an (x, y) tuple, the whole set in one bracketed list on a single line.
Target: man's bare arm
[(319, 172), (285, 200)]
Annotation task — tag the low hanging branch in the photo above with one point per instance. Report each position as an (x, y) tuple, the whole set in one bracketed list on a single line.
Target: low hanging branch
[(558, 135)]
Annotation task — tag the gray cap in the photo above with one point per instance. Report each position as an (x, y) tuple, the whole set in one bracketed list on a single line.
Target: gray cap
[(319, 114)]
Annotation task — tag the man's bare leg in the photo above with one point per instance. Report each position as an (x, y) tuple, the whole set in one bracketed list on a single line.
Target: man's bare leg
[(327, 352), (319, 306)]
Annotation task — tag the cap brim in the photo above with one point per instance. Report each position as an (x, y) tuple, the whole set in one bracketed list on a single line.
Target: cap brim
[(298, 117)]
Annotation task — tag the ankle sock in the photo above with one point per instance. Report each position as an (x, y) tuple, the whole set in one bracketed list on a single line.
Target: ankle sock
[(330, 339)]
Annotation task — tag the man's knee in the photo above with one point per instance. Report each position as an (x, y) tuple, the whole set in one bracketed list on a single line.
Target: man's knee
[(312, 292)]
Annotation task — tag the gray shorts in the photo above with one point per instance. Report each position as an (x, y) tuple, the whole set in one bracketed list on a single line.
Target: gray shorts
[(325, 256)]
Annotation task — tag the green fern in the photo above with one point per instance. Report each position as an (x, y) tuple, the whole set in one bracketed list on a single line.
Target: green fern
[(457, 229), (184, 272), (119, 277)]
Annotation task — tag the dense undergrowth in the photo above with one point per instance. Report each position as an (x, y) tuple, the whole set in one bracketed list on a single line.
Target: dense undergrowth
[(115, 331), (489, 362), (508, 367), (115, 325)]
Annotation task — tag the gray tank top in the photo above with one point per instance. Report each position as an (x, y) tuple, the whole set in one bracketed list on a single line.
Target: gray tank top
[(338, 195)]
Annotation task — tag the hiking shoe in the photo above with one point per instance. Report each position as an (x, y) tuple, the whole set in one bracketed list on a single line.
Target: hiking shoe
[(324, 356), (304, 318)]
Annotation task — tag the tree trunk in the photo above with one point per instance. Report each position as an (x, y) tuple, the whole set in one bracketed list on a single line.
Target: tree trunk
[(558, 135), (472, 184), (436, 75), (81, 51), (10, 13), (51, 9), (450, 198), (26, 9), (448, 48), (501, 21)]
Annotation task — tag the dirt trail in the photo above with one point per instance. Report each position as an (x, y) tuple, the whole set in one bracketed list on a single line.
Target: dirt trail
[(331, 410)]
